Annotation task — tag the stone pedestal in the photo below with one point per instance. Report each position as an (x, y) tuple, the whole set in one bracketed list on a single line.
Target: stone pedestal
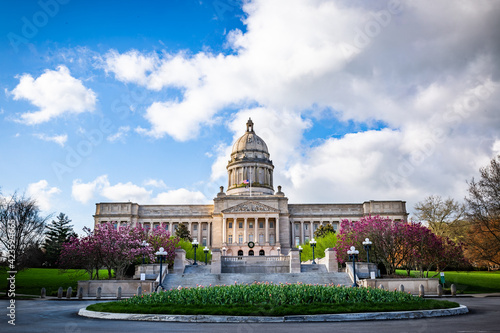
[(179, 261), (294, 260), (151, 271), (331, 263), (216, 266)]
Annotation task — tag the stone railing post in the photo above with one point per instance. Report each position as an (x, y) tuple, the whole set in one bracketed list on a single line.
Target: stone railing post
[(119, 293), (331, 262), (80, 293), (179, 261), (43, 293), (294, 260), (69, 292), (216, 266), (421, 291), (98, 293), (139, 291), (60, 292)]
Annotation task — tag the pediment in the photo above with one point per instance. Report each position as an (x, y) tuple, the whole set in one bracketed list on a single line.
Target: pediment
[(250, 206)]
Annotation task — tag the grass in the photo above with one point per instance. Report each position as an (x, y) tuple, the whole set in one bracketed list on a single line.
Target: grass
[(468, 282), (268, 309), (31, 281)]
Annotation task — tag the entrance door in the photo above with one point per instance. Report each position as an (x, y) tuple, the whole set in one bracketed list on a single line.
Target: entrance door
[(250, 253)]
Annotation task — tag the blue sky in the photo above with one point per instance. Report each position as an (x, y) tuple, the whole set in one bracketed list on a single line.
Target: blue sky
[(141, 101)]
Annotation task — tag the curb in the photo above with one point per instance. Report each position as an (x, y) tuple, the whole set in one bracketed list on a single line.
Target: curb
[(462, 309)]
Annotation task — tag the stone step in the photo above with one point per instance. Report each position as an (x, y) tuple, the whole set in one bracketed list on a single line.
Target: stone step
[(172, 281), (198, 269), (313, 268)]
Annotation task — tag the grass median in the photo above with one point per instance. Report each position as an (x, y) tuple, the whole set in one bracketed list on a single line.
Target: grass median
[(270, 300)]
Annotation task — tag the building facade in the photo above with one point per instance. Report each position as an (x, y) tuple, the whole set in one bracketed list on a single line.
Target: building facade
[(250, 218)]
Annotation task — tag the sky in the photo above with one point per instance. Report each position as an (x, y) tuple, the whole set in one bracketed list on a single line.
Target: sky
[(105, 101)]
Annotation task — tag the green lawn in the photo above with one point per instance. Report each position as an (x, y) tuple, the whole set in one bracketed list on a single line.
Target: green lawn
[(469, 282), (32, 280)]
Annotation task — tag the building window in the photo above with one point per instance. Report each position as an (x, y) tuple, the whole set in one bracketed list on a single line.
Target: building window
[(204, 241), (241, 225), (261, 225), (315, 226), (230, 225), (251, 253), (250, 225), (230, 239), (204, 227), (240, 253), (195, 227), (176, 226), (297, 240), (271, 224), (240, 238), (307, 239), (262, 253), (261, 239), (250, 238), (166, 226), (306, 227), (296, 227), (271, 239)]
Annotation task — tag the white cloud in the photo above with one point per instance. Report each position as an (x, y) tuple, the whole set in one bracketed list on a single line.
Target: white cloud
[(101, 187), (120, 135), (180, 196), (42, 193), (55, 93), (59, 139), (427, 72)]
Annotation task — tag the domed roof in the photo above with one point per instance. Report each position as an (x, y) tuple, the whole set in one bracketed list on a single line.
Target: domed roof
[(249, 141)]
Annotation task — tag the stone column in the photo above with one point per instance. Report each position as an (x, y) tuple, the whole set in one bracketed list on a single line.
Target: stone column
[(266, 234), (293, 233), (255, 230), (180, 256), (209, 234), (301, 232), (224, 238), (312, 231), (191, 230), (171, 227), (245, 231), (199, 233), (277, 223)]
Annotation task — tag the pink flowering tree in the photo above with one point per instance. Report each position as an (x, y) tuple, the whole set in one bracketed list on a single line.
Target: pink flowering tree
[(397, 244), (115, 249)]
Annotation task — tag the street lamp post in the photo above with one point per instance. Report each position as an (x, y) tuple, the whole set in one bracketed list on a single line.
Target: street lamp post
[(161, 254), (279, 250), (300, 254), (144, 244), (206, 254), (224, 251), (367, 244), (353, 255), (313, 245), (195, 246)]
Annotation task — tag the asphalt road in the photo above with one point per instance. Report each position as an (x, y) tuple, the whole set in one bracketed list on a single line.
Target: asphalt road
[(61, 316)]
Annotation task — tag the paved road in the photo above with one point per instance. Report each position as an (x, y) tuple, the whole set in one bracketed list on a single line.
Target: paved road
[(61, 316)]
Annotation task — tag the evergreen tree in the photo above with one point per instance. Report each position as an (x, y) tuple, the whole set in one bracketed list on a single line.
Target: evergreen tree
[(183, 233), (58, 232), (324, 230)]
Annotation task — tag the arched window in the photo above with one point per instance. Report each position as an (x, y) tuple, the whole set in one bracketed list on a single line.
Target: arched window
[(250, 253), (262, 253), (240, 253)]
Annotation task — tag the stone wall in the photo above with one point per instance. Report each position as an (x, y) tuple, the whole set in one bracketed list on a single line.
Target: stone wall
[(110, 287), (410, 285)]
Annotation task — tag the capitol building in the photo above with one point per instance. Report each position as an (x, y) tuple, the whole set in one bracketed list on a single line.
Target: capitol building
[(250, 218)]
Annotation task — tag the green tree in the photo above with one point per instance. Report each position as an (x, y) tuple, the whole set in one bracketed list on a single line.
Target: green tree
[(445, 217), (323, 230), (58, 232), (183, 233)]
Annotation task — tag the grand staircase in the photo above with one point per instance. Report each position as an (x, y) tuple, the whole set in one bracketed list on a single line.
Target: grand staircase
[(200, 276)]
